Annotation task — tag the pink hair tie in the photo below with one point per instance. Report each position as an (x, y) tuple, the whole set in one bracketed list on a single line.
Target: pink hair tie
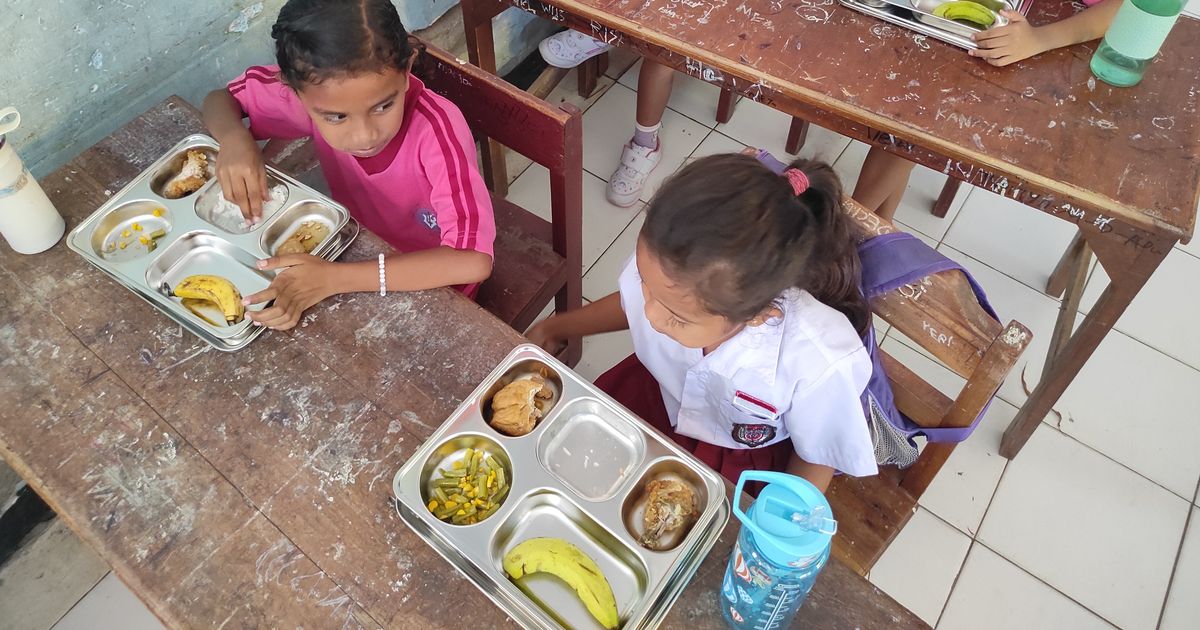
[(797, 179)]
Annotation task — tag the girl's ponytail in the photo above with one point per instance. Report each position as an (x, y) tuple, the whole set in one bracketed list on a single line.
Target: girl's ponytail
[(833, 274)]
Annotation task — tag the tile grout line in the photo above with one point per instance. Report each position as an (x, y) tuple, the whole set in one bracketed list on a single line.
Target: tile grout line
[(83, 597), (1187, 522), (1072, 438), (1047, 584)]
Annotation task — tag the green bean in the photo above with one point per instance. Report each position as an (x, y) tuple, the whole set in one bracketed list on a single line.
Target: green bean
[(459, 519), (469, 508), (440, 495), (500, 495), (458, 498), (445, 513), (457, 474), (491, 509)]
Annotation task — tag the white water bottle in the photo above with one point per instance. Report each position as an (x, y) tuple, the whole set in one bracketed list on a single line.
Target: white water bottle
[(28, 221)]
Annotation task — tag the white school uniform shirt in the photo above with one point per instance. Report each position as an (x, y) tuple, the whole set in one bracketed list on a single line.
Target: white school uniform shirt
[(799, 378)]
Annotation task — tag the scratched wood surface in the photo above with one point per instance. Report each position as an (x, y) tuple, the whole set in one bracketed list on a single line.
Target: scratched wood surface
[(1042, 125), (253, 489)]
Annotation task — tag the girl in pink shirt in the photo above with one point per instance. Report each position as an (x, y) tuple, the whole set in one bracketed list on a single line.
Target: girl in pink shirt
[(400, 157)]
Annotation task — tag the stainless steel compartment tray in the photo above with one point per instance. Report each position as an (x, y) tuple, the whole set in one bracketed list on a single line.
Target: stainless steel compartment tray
[(138, 210), (551, 500), (901, 13)]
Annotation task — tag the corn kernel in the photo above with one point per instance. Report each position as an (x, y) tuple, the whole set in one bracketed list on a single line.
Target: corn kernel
[(458, 465), (433, 505), (451, 505), (126, 234), (124, 244), (158, 212), (137, 227), (461, 512)]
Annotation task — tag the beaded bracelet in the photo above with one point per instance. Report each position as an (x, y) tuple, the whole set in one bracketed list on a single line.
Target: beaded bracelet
[(382, 278)]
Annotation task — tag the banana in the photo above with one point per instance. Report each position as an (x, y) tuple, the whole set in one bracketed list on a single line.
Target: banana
[(966, 11), (215, 289), (559, 557)]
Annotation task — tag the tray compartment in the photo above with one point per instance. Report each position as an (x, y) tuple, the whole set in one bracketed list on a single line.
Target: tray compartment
[(549, 513), (453, 450), (214, 209), (634, 506), (172, 167), (205, 253), (591, 449), (287, 222), (129, 224), (525, 369)]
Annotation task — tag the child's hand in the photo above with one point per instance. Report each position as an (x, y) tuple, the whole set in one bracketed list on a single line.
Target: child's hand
[(546, 335), (1010, 43), (303, 281), (243, 177)]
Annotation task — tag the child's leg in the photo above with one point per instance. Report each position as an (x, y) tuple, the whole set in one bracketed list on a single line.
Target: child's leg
[(642, 154), (882, 182)]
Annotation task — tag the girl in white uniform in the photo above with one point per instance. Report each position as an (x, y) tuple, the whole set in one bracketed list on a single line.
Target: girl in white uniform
[(743, 301)]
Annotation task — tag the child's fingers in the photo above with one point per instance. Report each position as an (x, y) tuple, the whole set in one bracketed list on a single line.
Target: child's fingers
[(254, 197), (992, 33), (286, 260), (989, 53), (266, 295), (1000, 62), (262, 184)]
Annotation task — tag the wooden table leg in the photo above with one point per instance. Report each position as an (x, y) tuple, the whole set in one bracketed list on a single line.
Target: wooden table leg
[(797, 135), (725, 105), (1076, 279), (1065, 365), (1062, 271), (941, 207), (481, 50)]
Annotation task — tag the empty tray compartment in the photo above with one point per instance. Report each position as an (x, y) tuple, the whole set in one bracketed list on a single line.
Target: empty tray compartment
[(130, 230), (550, 514), (159, 182), (633, 510), (197, 253), (525, 369), (214, 208), (591, 448), (454, 450)]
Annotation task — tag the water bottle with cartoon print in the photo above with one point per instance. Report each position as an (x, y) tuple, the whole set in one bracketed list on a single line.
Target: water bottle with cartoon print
[(784, 543)]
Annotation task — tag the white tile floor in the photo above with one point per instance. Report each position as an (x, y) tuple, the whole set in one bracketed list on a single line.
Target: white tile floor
[(1094, 525)]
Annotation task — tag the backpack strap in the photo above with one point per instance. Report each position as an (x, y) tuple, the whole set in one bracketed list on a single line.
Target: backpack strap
[(891, 261)]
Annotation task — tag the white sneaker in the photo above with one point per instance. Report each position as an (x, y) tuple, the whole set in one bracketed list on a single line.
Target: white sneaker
[(569, 48), (627, 182)]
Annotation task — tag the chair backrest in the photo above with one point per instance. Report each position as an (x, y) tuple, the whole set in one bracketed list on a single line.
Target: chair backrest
[(941, 313)]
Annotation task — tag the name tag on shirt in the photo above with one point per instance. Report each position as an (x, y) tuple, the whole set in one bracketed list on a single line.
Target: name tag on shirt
[(754, 407)]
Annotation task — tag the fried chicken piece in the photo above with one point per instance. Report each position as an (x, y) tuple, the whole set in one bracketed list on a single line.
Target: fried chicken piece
[(670, 504), (190, 178), (304, 239), (513, 410)]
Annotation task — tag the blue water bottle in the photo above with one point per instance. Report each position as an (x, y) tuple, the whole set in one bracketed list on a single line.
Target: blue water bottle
[(783, 545)]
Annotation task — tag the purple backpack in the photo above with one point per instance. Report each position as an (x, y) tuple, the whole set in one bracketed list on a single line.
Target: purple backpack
[(891, 261)]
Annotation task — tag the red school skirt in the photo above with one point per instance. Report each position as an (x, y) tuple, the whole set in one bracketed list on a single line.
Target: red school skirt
[(632, 385)]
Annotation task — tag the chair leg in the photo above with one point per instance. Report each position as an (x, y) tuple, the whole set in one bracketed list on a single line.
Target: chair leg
[(547, 81), (725, 105), (1062, 271), (942, 206), (797, 135)]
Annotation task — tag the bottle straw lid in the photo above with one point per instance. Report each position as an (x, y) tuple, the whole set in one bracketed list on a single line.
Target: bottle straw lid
[(791, 520)]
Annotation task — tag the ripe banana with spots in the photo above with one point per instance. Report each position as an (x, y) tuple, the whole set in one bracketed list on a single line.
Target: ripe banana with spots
[(216, 290), (966, 11), (559, 557)]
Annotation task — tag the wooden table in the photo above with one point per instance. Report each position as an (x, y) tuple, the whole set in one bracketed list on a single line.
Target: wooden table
[(254, 489), (1120, 164)]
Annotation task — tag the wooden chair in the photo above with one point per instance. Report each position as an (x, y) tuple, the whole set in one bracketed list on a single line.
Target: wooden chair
[(942, 315), (536, 260)]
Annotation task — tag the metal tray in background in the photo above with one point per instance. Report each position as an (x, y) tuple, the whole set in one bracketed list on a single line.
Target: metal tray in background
[(579, 475), (906, 13), (199, 238)]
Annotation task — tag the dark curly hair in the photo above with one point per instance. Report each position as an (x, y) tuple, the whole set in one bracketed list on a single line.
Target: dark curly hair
[(319, 39), (735, 231)]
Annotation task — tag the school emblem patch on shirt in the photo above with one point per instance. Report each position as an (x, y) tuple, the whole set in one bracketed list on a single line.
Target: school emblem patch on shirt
[(753, 435), (427, 218)]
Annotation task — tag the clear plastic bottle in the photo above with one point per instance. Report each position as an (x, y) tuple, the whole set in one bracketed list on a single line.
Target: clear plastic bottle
[(1137, 32), (783, 545)]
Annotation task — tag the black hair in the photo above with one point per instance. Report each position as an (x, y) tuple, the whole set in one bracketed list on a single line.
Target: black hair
[(737, 232), (319, 39)]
